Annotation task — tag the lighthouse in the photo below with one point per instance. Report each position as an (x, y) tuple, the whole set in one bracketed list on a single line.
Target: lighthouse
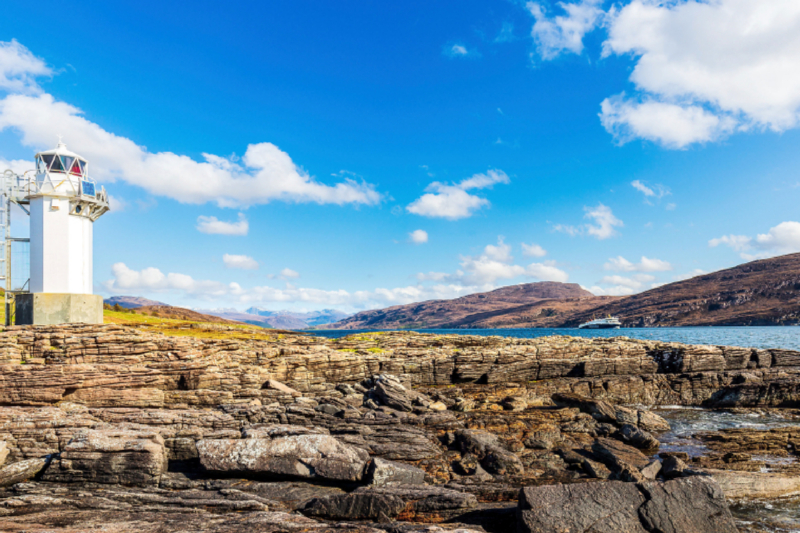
[(64, 205)]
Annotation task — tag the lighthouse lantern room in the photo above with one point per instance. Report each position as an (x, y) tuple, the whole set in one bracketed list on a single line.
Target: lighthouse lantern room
[(64, 204)]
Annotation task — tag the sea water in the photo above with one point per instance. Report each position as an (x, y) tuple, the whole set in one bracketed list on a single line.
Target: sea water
[(787, 337)]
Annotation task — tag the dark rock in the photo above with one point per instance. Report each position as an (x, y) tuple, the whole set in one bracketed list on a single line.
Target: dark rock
[(382, 472), (686, 505), (672, 467), (603, 507), (595, 469), (391, 393), (613, 453), (638, 438), (124, 457), (486, 447), (361, 506)]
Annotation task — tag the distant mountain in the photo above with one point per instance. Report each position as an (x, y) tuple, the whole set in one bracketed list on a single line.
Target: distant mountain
[(543, 304), (765, 292), (131, 302), (759, 293), (309, 319)]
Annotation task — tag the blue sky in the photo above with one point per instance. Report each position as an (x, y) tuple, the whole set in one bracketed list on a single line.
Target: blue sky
[(353, 155)]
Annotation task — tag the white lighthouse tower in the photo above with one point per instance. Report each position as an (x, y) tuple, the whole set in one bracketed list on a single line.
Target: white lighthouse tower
[(64, 204)]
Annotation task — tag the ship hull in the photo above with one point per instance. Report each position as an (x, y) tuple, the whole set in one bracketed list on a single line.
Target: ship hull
[(600, 326)]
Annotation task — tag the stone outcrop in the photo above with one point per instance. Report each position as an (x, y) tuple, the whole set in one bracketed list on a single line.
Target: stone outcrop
[(303, 456), (375, 432), (686, 505), (114, 456)]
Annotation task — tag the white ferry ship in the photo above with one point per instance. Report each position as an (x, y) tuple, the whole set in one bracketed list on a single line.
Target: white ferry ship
[(610, 322)]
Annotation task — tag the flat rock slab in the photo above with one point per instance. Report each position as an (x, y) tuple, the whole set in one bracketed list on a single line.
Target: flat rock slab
[(737, 484), (614, 452), (122, 457), (689, 505), (303, 456), (22, 471)]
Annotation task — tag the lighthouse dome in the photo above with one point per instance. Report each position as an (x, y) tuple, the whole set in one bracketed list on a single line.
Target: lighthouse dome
[(62, 161)]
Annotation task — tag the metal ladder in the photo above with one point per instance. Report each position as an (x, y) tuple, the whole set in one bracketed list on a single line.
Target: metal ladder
[(11, 192)]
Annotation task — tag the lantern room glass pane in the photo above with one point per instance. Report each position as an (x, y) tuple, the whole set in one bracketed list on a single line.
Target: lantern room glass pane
[(41, 166), (56, 166), (76, 169), (83, 166), (67, 161), (48, 160)]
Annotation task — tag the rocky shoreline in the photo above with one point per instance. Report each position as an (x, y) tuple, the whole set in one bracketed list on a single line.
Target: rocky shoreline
[(113, 428)]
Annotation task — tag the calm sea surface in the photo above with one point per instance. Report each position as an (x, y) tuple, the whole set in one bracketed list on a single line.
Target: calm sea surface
[(787, 337)]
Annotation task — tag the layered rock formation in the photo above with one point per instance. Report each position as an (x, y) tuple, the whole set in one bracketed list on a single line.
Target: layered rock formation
[(104, 426)]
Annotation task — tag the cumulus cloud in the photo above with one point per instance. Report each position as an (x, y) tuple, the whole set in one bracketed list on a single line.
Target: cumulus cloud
[(705, 69), (458, 50), (19, 68), (496, 263), (602, 225), (604, 222), (264, 174), (617, 285), (151, 280), (288, 273), (418, 236), (781, 239), (533, 250), (453, 201), (564, 33), (18, 166), (243, 262), (214, 226), (620, 264)]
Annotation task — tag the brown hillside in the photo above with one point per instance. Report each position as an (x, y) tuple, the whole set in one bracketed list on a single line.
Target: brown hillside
[(465, 311), (760, 293), (179, 313), (765, 292)]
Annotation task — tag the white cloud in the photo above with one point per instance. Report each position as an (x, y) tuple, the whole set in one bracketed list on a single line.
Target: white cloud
[(288, 273), (601, 227), (656, 191), (152, 279), (18, 166), (19, 68), (781, 239), (622, 286), (672, 125), (456, 50), (243, 262), (265, 173), (453, 201), (604, 222), (705, 69), (116, 204), (533, 250), (496, 263), (435, 276), (418, 236), (213, 226), (689, 275), (564, 33), (620, 264)]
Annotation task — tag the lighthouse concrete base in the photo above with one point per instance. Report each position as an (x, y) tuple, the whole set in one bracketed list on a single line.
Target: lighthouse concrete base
[(51, 308)]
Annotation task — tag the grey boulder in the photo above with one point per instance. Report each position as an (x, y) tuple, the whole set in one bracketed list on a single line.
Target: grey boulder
[(302, 456)]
